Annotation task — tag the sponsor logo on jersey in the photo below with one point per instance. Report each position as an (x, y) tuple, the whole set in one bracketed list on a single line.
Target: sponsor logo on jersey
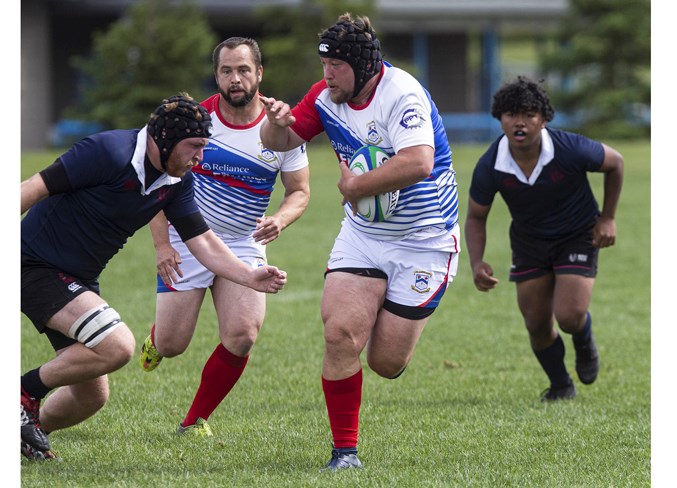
[(339, 147), (224, 169), (343, 151), (421, 281), (411, 119)]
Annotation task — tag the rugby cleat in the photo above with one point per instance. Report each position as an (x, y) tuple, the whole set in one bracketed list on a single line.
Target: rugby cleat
[(30, 452), (587, 361), (199, 428), (31, 432), (150, 357), (343, 458), (554, 393)]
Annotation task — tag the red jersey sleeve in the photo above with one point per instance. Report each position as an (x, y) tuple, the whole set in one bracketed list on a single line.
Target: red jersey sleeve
[(308, 123), (212, 103)]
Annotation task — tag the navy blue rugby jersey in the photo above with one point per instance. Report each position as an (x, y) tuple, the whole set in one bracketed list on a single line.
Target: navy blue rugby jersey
[(81, 230), (557, 199)]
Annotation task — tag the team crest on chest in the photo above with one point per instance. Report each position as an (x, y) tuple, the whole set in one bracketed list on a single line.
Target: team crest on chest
[(162, 193), (421, 281), (373, 136), (266, 155)]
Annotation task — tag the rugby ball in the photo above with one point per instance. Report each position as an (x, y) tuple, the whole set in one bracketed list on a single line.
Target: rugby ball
[(376, 208)]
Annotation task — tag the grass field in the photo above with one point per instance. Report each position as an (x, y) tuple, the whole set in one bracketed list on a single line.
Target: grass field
[(466, 412)]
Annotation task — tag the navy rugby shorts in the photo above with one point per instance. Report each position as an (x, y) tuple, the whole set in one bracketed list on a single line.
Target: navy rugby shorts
[(44, 291), (533, 257)]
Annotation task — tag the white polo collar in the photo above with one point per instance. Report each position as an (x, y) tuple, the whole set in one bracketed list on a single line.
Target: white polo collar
[(137, 162), (506, 164)]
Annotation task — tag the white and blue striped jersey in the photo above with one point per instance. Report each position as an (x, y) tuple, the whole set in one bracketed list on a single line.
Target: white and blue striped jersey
[(235, 179), (399, 114)]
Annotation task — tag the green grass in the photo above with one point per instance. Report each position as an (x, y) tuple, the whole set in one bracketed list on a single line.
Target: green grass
[(466, 412)]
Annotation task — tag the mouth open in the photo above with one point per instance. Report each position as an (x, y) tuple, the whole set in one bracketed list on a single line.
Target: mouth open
[(519, 135)]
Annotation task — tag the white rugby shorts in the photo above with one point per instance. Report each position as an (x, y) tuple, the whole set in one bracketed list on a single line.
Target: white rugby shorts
[(418, 270), (195, 275)]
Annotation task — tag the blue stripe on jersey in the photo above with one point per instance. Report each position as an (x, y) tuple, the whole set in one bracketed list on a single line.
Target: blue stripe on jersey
[(233, 189), (228, 209), (414, 210), (225, 160), (432, 202), (336, 130)]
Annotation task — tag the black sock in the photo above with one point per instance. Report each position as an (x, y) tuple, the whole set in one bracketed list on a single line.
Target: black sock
[(583, 336), (33, 385), (552, 362)]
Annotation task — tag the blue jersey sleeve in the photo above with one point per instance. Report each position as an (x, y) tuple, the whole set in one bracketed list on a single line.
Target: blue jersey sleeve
[(575, 149), (96, 159), (183, 204), (482, 186)]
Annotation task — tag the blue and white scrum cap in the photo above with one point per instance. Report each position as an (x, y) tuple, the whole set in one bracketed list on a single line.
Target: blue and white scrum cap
[(178, 117), (360, 49)]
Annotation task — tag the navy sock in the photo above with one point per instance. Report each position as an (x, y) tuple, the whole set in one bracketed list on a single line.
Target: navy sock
[(33, 385), (583, 336), (552, 362)]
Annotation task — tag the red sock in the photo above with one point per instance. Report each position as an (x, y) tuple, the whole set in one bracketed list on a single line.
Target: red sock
[(219, 375), (343, 398), (152, 334)]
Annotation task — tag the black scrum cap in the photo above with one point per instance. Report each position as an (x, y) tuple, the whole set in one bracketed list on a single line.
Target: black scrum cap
[(178, 117), (361, 50)]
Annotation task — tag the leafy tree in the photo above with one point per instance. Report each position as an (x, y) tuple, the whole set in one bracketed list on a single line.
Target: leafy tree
[(289, 43), (602, 60), (157, 49)]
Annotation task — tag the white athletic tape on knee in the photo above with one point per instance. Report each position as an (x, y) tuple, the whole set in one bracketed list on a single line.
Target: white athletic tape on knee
[(95, 325)]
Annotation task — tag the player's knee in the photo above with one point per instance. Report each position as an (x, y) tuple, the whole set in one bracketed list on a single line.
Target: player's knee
[(571, 320), (340, 338), (95, 399), (93, 395), (388, 372), (241, 346), (170, 349), (540, 331), (241, 342), (101, 329), (120, 348), (389, 368)]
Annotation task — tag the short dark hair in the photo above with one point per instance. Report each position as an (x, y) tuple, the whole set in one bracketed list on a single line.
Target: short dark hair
[(232, 43), (521, 96)]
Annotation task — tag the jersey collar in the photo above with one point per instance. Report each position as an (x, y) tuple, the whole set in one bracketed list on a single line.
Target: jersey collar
[(137, 163), (506, 164)]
